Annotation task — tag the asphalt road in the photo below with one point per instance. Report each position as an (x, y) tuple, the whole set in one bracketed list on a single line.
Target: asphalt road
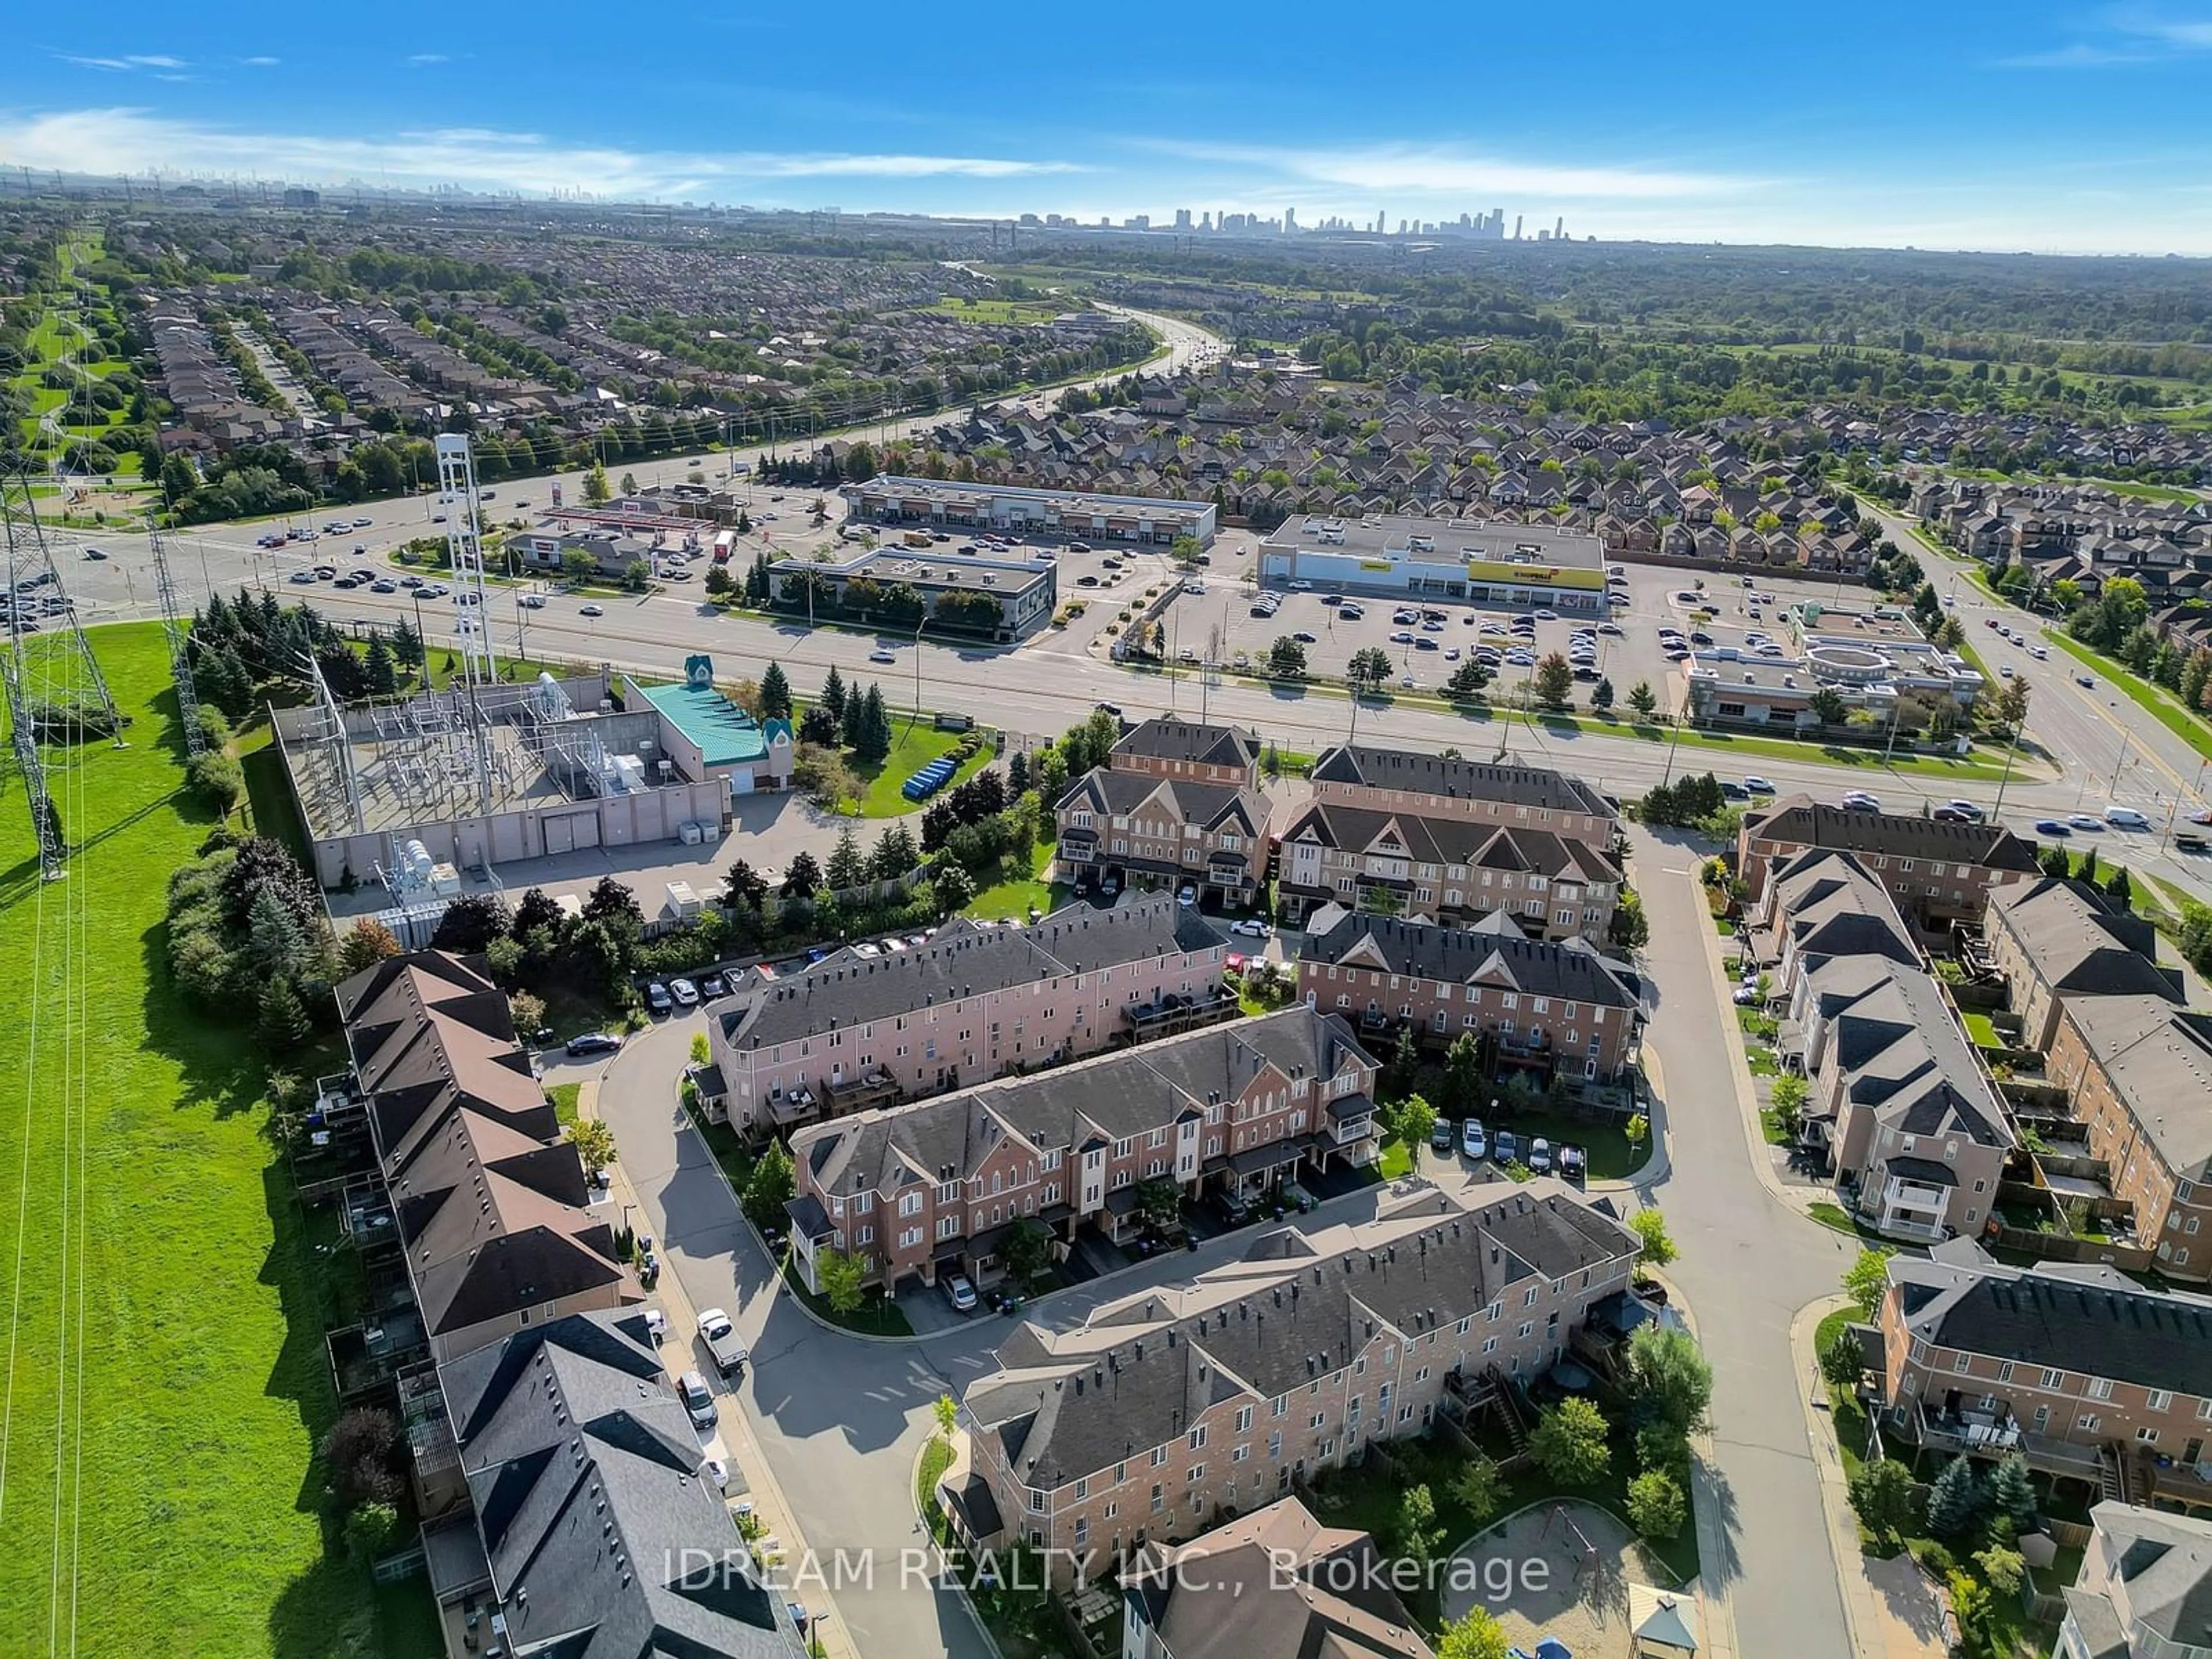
[(1748, 1263)]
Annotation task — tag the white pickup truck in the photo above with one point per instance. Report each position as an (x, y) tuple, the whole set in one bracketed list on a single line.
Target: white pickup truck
[(723, 1342)]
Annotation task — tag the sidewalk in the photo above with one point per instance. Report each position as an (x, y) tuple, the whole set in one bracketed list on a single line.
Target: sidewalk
[(1890, 1609), (1716, 1616), (774, 1510)]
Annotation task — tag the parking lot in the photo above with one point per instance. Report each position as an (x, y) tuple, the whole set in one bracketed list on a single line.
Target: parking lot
[(1428, 649)]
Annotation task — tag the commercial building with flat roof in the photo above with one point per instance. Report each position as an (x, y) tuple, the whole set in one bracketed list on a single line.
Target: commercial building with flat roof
[(1072, 512), (1497, 564), (707, 736), (898, 586)]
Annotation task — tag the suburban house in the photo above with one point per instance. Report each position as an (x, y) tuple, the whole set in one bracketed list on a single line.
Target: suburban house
[(931, 1187), (1445, 868), (1910, 1117), (2140, 1071), (2145, 1588), (1176, 803), (1822, 905), (868, 1027), (1937, 871), (2077, 1368), (489, 1214), (1547, 1008), (1273, 1582), (2053, 939), (1505, 797), (597, 1529), (1170, 1407)]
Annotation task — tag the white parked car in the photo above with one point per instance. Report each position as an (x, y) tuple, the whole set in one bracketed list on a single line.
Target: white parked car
[(1252, 927), (1473, 1140)]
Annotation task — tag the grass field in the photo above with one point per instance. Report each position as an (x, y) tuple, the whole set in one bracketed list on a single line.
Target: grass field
[(996, 310), (177, 1476), (914, 745), (1017, 894)]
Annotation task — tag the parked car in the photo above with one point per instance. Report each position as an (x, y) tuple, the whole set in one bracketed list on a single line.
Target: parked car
[(714, 986), (1507, 1149), (1440, 1135), (960, 1293), (656, 1326), (594, 1043), (685, 992), (657, 998), (1473, 1140), (1574, 1163), (1186, 895), (698, 1399), (1251, 927), (723, 1342), (1540, 1156)]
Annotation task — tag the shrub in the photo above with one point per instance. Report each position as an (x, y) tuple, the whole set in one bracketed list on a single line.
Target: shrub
[(1656, 1504)]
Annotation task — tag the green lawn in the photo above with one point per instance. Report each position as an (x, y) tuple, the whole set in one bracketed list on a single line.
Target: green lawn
[(1397, 1158), (1612, 1157), (1978, 1025), (184, 1471), (994, 311), (936, 1458), (564, 1095), (2161, 704), (1017, 894), (875, 1316), (914, 745)]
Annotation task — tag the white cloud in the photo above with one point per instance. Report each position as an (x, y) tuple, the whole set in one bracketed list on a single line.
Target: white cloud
[(420, 58), (261, 62), (136, 61), (139, 140), (1447, 171), (2125, 35)]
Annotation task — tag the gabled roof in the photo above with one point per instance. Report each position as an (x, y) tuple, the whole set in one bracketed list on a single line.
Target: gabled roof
[(2077, 943), (585, 1470), (1801, 820), (1447, 841), (2158, 1059), (1116, 794), (1540, 787), (1164, 739), (1493, 951)]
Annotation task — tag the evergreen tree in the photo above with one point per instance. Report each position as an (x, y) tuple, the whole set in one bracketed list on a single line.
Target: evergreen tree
[(274, 942), (383, 673), (407, 644), (2011, 1494), (854, 722), (847, 867), (282, 1023), (1954, 1503), (894, 854), (875, 726), (833, 693), (1017, 772), (775, 693)]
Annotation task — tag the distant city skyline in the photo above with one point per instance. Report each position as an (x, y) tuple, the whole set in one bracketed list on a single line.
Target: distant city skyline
[(2044, 127)]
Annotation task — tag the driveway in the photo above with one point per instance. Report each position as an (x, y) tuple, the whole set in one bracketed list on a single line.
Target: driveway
[(1749, 1263)]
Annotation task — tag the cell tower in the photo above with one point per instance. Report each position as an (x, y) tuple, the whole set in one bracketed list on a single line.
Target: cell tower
[(53, 679), (456, 487), (180, 659)]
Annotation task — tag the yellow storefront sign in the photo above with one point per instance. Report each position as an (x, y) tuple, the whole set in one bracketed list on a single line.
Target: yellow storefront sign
[(1376, 564)]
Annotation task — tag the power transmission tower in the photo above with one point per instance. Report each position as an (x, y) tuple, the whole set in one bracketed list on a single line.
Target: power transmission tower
[(457, 488), (180, 658)]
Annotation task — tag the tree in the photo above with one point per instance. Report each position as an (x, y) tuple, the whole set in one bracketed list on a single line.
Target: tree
[(1416, 1534), (359, 1453), (407, 644), (833, 694), (1287, 658), (1866, 1281), (1368, 670), (775, 693), (1460, 1085), (1882, 1497), (953, 887), (1643, 700), (1656, 1508), (1185, 550), (1412, 1120), (1629, 928), (875, 736), (2011, 705), (840, 1275), (1842, 1363), (1786, 1097), (1467, 679), (577, 567), (528, 1010), (367, 943), (1568, 1442), (801, 877), (629, 484), (1026, 1249), (1669, 1380), (470, 923), (280, 1021), (743, 887), (2003, 1567), (369, 1530), (946, 1410), (1602, 695), (772, 1185), (1954, 1501), (1657, 1248), (382, 672), (2011, 1494), (596, 488), (594, 1143), (720, 583), (1399, 1072), (1480, 1489), (1827, 706), (1478, 1635), (848, 866), (2120, 889), (1159, 1202), (1555, 681)]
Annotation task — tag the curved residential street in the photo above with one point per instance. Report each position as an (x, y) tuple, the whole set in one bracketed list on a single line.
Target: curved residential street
[(839, 1420)]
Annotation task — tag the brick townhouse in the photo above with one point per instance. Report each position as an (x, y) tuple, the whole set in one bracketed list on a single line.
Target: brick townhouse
[(1177, 803), (2077, 1368), (2053, 939), (2140, 1070), (1443, 869), (930, 1188), (1542, 1006), (1936, 871), (855, 1030), (1172, 1406), (488, 1207), (1901, 1102), (1431, 786)]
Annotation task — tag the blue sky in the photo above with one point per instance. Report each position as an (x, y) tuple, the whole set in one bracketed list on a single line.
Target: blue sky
[(1948, 124)]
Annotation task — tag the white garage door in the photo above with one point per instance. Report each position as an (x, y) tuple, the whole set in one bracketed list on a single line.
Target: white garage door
[(566, 835)]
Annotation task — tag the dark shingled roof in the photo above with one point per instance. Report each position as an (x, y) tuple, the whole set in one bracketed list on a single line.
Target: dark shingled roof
[(1800, 819), (585, 1472), (1541, 787), (1111, 793), (960, 959), (1164, 738), (1491, 951), (1451, 841)]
